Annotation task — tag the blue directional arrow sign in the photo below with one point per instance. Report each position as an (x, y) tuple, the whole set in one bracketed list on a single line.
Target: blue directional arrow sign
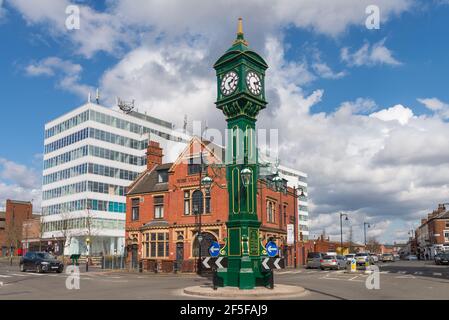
[(272, 249), (214, 249)]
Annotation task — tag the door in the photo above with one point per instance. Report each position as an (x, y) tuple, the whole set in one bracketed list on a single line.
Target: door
[(179, 255), (134, 262)]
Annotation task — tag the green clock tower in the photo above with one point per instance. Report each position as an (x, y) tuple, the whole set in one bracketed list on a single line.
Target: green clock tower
[(241, 95)]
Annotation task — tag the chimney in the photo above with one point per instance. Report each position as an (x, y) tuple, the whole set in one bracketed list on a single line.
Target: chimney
[(154, 155)]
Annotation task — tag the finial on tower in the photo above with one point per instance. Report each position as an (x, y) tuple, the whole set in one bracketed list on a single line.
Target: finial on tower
[(240, 38), (240, 26)]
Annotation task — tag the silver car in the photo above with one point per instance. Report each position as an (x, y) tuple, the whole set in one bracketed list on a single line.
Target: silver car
[(313, 260), (333, 262)]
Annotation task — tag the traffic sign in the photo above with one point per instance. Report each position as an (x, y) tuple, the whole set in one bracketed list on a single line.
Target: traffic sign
[(214, 249), (273, 263), (272, 249), (212, 263)]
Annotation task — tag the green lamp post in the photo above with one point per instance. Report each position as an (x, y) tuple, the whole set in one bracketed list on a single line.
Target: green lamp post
[(241, 95)]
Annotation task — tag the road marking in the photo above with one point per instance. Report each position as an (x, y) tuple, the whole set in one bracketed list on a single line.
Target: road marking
[(18, 275), (37, 274), (402, 272), (4, 276), (437, 274), (418, 272)]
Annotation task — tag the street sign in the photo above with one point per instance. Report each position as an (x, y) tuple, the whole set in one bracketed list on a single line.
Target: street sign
[(353, 265), (273, 263), (290, 234), (218, 263), (272, 249), (214, 249)]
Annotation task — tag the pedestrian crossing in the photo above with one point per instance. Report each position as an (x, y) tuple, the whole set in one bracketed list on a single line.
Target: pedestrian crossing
[(402, 273)]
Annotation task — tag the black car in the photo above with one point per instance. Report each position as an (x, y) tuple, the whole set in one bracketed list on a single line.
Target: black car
[(444, 258), (40, 262)]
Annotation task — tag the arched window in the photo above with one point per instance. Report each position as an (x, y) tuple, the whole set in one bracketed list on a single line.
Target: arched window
[(208, 238), (197, 202)]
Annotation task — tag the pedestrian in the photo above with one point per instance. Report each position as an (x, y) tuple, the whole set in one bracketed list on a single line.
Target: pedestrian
[(427, 256)]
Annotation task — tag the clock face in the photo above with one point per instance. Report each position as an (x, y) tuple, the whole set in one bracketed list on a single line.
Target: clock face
[(229, 83), (253, 82)]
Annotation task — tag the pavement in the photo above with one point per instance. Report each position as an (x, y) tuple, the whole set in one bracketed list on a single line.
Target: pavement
[(398, 280)]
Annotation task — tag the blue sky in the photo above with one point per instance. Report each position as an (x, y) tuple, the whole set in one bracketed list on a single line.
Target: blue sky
[(333, 83)]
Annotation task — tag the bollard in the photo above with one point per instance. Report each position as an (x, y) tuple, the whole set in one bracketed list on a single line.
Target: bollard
[(272, 280), (215, 280), (140, 266)]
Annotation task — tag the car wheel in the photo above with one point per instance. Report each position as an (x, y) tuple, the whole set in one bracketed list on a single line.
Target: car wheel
[(22, 267), (59, 270), (39, 269)]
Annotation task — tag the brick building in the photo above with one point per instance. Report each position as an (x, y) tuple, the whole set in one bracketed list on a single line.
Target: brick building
[(432, 236), (163, 206), (11, 232), (32, 235)]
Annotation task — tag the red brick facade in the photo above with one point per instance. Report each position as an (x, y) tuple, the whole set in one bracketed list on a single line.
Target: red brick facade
[(148, 234), (11, 235)]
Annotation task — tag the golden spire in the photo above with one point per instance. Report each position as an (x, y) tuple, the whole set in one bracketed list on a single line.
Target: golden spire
[(240, 38), (240, 26)]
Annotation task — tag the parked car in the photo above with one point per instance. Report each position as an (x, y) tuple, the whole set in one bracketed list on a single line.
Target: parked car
[(444, 258), (374, 257), (40, 262), (362, 258), (387, 257), (437, 258), (349, 257), (411, 257), (396, 257), (313, 259), (336, 262)]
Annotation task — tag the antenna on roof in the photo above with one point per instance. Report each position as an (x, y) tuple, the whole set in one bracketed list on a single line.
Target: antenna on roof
[(126, 107), (89, 96), (97, 98), (185, 124)]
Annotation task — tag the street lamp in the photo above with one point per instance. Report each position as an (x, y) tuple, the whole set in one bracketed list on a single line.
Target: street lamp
[(246, 174), (207, 183), (364, 230), (341, 229), (88, 249)]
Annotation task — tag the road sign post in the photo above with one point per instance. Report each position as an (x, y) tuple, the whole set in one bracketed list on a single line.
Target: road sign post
[(353, 265)]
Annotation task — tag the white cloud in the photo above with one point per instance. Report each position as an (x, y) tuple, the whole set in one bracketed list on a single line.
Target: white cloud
[(439, 107), (369, 55), (2, 10), (19, 182), (324, 71), (131, 22), (67, 73), (398, 112)]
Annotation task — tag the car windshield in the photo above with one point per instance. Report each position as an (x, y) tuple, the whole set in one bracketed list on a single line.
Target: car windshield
[(313, 255), (361, 254), (44, 255), (387, 254), (329, 257)]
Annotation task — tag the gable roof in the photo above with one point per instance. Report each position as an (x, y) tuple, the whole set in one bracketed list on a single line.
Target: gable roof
[(148, 181), (215, 150)]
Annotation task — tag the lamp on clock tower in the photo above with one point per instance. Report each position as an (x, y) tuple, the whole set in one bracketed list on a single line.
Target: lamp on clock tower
[(241, 95)]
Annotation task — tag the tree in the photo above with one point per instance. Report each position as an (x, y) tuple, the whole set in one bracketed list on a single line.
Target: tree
[(373, 245), (66, 229)]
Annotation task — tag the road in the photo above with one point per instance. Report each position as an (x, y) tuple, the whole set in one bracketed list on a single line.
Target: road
[(398, 280)]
